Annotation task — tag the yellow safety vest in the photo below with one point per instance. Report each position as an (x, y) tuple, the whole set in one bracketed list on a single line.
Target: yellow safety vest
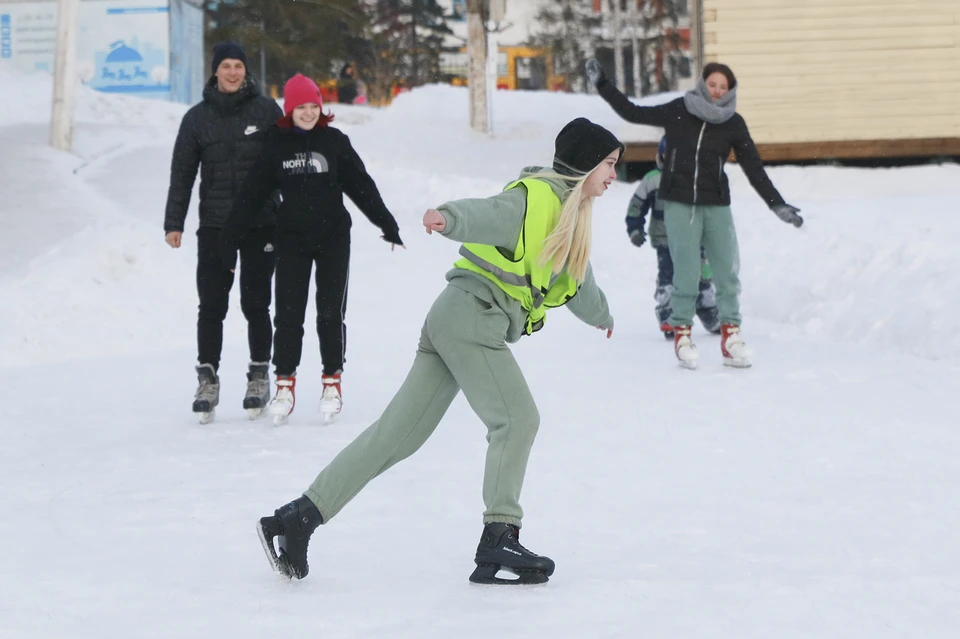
[(520, 274)]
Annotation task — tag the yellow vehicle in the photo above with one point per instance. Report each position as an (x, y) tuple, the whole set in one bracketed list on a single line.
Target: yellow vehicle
[(518, 68)]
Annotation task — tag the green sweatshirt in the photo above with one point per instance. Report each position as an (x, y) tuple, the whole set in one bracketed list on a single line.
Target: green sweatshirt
[(497, 221)]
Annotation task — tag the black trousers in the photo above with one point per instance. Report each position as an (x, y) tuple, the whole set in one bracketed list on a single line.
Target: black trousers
[(214, 281), (294, 265)]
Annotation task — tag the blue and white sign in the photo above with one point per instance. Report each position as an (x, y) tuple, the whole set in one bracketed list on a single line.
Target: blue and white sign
[(123, 46)]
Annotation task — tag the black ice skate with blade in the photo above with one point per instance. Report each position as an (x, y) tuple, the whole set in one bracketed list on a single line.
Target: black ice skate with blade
[(291, 525), (207, 398), (258, 390), (500, 549)]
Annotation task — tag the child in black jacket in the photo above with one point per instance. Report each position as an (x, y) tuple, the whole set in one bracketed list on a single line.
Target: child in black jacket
[(313, 165)]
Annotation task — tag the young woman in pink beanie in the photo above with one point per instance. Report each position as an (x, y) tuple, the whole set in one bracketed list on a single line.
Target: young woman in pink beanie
[(313, 165)]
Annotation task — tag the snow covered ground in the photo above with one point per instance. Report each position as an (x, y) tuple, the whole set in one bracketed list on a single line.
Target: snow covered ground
[(811, 496)]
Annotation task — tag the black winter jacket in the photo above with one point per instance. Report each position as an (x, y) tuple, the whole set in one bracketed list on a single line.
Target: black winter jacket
[(696, 151), (223, 136), (312, 170)]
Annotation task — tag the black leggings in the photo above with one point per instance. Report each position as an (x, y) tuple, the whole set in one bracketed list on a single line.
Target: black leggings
[(293, 289)]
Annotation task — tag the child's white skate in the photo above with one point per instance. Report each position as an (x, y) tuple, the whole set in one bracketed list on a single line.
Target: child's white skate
[(283, 402), (331, 402)]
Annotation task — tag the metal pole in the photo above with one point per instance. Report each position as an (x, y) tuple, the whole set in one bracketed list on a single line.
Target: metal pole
[(476, 55), (263, 56), (493, 56), (64, 76)]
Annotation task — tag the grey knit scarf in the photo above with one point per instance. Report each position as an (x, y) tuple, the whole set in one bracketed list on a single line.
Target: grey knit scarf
[(700, 104)]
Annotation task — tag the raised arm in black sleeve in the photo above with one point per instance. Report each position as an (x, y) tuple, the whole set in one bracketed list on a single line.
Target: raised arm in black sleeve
[(652, 115)]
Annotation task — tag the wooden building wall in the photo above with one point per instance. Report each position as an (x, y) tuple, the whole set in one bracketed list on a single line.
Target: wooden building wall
[(815, 71)]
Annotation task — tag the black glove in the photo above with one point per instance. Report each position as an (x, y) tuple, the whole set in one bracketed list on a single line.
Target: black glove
[(595, 72), (228, 251), (392, 236), (638, 237), (788, 214)]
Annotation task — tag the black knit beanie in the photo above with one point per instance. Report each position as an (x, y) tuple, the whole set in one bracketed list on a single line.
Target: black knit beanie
[(226, 50), (581, 146)]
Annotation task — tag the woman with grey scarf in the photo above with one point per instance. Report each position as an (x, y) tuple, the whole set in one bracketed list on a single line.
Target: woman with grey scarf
[(702, 128)]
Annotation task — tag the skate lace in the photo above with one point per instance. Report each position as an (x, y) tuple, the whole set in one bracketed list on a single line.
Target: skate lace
[(516, 540), (283, 394), (207, 391)]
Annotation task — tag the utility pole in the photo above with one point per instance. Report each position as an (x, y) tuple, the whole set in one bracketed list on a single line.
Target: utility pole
[(634, 18), (64, 76), (618, 46), (263, 56), (476, 66), (498, 10)]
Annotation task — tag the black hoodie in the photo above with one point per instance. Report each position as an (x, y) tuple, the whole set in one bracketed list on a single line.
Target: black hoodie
[(222, 135), (312, 170)]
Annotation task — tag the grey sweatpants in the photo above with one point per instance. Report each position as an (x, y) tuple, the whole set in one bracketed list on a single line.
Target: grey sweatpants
[(461, 347), (689, 227)]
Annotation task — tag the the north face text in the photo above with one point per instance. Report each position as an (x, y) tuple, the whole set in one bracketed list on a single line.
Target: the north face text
[(303, 163)]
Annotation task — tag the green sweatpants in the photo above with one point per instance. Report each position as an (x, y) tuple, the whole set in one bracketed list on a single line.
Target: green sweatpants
[(712, 226), (461, 347)]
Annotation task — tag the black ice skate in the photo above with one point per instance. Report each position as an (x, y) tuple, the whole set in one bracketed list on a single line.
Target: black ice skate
[(208, 393), (500, 549), (258, 390), (291, 525), (663, 296)]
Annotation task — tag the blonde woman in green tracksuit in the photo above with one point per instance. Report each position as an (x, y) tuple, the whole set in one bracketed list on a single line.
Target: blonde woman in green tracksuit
[(525, 250)]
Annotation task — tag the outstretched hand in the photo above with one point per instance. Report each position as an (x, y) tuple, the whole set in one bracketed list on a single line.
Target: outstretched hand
[(608, 330), (595, 72), (393, 245), (433, 220), (392, 235), (788, 214)]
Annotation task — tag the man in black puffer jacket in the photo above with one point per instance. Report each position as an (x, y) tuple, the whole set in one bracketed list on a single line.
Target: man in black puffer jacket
[(223, 136)]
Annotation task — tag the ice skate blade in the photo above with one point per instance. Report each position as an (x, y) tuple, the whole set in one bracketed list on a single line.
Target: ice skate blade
[(266, 540), (734, 362), (280, 420), (329, 418), (486, 574), (206, 417), (255, 413)]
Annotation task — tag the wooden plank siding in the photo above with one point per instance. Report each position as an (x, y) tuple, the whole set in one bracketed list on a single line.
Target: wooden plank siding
[(834, 71)]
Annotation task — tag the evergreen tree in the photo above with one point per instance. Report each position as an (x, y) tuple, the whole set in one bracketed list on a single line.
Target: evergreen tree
[(299, 36), (568, 28)]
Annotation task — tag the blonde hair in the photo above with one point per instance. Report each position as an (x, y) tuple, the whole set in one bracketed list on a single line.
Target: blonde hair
[(568, 245)]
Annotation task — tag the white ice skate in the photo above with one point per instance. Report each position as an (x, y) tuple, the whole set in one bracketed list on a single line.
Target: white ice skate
[(735, 351), (331, 402), (687, 353), (283, 402)]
